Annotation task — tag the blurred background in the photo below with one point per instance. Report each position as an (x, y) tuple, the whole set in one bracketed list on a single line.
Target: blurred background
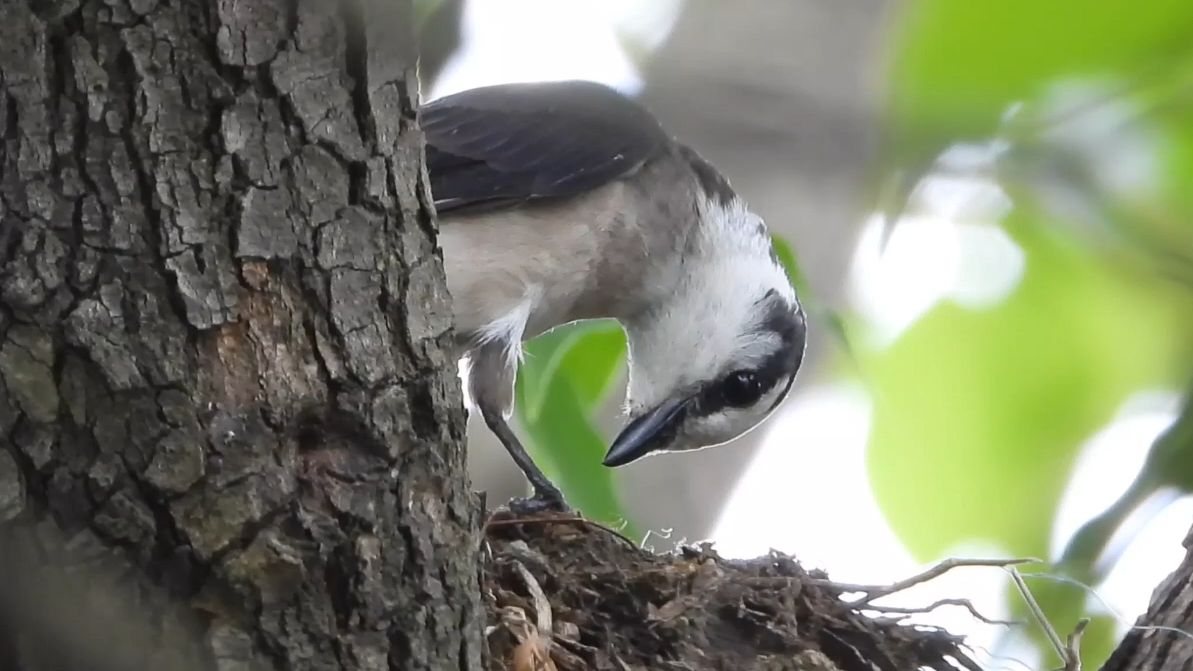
[(989, 207)]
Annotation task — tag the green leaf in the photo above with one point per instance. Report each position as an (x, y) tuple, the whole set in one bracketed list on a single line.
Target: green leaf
[(590, 352), (564, 378), (789, 262), (1098, 641), (979, 414), (568, 448), (540, 360), (594, 361), (957, 66)]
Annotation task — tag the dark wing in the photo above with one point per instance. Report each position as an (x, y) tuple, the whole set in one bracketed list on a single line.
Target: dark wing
[(510, 143)]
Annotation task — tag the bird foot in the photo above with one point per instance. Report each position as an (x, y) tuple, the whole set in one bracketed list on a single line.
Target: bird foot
[(543, 501)]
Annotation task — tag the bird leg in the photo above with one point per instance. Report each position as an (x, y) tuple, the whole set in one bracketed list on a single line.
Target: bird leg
[(491, 381), (547, 496)]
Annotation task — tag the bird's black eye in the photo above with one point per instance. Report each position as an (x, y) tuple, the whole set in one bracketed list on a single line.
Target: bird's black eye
[(741, 388)]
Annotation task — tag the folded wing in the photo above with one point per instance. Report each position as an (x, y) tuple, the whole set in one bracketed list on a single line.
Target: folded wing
[(502, 145)]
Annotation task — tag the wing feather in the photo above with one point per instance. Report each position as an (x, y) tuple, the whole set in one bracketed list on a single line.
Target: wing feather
[(500, 145)]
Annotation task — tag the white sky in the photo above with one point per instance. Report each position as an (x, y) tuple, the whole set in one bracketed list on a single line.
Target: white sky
[(543, 40), (929, 258)]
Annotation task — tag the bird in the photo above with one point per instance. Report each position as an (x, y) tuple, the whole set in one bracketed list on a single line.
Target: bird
[(566, 201)]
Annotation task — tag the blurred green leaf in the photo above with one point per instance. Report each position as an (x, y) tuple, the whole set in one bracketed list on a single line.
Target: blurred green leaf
[(957, 66), (1098, 642), (1091, 109), (789, 262), (590, 352), (594, 361), (541, 358), (979, 414), (564, 378), (567, 447)]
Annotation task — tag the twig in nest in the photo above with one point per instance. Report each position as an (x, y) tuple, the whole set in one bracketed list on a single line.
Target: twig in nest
[(542, 606), (534, 652), (874, 592), (964, 603), (1073, 645), (1069, 651), (571, 519)]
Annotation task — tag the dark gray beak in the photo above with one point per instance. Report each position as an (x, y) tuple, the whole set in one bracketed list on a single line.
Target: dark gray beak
[(646, 433)]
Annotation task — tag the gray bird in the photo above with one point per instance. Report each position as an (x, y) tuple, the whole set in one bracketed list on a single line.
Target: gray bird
[(565, 201)]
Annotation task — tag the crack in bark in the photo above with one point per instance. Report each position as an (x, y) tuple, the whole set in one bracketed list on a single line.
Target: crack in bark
[(217, 234)]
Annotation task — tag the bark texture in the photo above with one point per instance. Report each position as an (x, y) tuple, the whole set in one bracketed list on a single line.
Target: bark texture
[(230, 435), (1172, 608)]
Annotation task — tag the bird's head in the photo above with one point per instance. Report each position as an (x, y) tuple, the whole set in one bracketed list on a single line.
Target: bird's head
[(716, 357)]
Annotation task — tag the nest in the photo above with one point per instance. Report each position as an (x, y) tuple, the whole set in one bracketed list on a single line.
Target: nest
[(565, 594)]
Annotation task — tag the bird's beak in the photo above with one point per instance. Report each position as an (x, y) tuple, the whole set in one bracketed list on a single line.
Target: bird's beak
[(644, 433)]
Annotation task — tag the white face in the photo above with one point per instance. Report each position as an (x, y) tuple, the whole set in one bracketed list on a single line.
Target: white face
[(721, 356)]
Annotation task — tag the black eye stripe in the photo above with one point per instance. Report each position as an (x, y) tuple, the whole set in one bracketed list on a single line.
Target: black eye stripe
[(777, 368), (715, 397), (783, 395), (770, 293)]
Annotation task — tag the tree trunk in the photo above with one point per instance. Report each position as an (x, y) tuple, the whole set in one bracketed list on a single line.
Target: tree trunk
[(230, 434), (1171, 608)]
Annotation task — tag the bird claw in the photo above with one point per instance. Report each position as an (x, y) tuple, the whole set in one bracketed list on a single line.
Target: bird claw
[(549, 501)]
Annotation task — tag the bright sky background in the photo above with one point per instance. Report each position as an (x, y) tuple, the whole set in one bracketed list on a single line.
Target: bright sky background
[(543, 40), (930, 257)]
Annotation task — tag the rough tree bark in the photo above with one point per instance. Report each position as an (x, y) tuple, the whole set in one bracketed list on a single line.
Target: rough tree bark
[(1171, 607), (229, 433)]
